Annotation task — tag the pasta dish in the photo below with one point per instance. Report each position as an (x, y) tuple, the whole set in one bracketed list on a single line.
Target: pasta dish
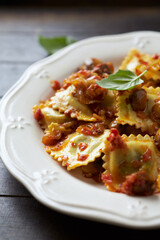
[(112, 135)]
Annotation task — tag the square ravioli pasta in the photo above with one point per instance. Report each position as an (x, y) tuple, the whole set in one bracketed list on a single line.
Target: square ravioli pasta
[(45, 115), (112, 136), (140, 107), (131, 164), (138, 62), (79, 149), (65, 102)]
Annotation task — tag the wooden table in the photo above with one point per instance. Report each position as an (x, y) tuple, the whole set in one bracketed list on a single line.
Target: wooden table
[(21, 216)]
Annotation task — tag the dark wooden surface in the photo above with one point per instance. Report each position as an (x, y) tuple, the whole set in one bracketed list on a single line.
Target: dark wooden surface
[(21, 216)]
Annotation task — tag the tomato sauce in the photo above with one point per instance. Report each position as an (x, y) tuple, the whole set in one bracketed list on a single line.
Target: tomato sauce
[(82, 146), (82, 157)]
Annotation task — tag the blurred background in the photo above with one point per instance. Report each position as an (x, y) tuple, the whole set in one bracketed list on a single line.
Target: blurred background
[(71, 3)]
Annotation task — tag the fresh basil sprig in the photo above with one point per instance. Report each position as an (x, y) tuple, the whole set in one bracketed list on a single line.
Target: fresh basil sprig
[(53, 44), (121, 80)]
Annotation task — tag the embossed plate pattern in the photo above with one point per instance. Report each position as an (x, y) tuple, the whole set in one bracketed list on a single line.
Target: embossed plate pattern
[(24, 154)]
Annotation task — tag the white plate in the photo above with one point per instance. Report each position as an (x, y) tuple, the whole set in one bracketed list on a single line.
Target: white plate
[(24, 154)]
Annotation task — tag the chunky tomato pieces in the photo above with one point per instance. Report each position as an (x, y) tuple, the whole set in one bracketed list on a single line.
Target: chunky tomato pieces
[(88, 92), (82, 157), (91, 129), (103, 68), (82, 146), (107, 178), (155, 56), (38, 115), (52, 138), (115, 140), (55, 85), (147, 155), (138, 183)]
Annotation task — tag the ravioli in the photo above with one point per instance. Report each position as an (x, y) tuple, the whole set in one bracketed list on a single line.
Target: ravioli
[(141, 119), (79, 149), (139, 62), (139, 154), (59, 128), (50, 115), (112, 136), (65, 102)]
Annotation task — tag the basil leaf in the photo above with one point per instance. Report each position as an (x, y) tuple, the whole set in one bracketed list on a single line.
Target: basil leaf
[(51, 45), (121, 80)]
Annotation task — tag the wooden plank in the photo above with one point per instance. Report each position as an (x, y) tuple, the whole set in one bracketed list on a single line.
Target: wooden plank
[(19, 38), (25, 47), (10, 73), (20, 48), (9, 185), (25, 219)]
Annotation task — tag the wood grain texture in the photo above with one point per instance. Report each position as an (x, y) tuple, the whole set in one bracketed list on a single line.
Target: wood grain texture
[(19, 29), (21, 216), (10, 74), (25, 218), (20, 48), (9, 186)]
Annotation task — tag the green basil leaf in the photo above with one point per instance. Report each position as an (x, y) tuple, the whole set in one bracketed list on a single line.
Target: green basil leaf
[(51, 45), (121, 80)]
